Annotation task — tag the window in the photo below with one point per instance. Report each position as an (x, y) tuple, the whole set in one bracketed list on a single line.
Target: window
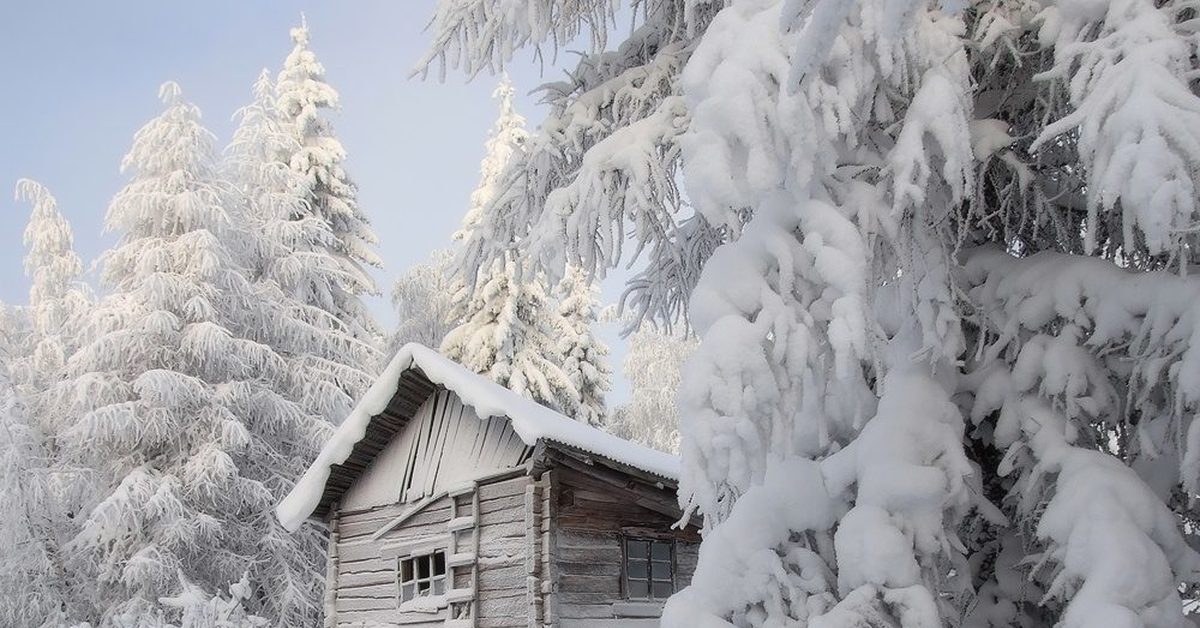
[(649, 569), (420, 576)]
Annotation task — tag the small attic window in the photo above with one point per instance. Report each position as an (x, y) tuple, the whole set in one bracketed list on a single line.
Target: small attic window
[(421, 576), (649, 569)]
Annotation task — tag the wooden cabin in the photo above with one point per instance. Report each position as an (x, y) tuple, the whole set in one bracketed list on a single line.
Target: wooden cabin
[(451, 501)]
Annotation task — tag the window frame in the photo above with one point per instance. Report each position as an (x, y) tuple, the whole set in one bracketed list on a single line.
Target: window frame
[(414, 562), (649, 581)]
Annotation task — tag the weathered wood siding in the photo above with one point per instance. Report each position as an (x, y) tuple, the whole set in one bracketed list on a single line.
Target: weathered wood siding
[(589, 522), (445, 444), (366, 578), (502, 593)]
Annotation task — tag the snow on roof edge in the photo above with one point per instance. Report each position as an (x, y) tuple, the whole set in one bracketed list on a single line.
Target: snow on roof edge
[(530, 420)]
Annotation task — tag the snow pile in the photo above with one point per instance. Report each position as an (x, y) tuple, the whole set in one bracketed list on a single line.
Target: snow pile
[(532, 422)]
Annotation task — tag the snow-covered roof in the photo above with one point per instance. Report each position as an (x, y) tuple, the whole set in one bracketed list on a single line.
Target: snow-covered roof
[(531, 421)]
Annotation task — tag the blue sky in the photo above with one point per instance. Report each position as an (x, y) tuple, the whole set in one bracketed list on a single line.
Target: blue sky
[(83, 77)]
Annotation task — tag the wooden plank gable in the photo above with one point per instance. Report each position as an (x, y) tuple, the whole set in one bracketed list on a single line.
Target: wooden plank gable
[(444, 442)]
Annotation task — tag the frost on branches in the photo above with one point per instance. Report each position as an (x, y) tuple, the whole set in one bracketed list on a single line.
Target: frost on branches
[(316, 155), (34, 585), (424, 300), (183, 409), (939, 265), (652, 368)]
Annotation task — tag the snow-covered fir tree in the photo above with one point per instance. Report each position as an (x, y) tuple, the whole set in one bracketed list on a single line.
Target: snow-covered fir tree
[(424, 300), (183, 410), (43, 488), (508, 335), (290, 254), (939, 259), (57, 296), (317, 156), (582, 355), (652, 367), (506, 327), (506, 138)]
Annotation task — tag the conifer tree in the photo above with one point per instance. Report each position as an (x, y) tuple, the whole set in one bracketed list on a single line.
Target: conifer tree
[(317, 156), (508, 337), (184, 413), (506, 138), (57, 297), (507, 326), (941, 260), (289, 255), (581, 354), (44, 488)]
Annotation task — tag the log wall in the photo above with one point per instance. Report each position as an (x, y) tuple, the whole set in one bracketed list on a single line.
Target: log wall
[(590, 521)]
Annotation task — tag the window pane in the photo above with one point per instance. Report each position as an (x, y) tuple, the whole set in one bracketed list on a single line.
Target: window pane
[(439, 564), (439, 586), (423, 587), (662, 590), (636, 569), (423, 567), (638, 589), (406, 592), (661, 551), (406, 570), (635, 549), (660, 571)]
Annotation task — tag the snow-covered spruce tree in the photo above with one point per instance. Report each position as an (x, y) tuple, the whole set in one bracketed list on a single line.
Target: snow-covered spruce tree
[(316, 155), (43, 488), (508, 335), (424, 300), (652, 367), (506, 327), (290, 255), (183, 413), (947, 373), (581, 354), (57, 297), (506, 139)]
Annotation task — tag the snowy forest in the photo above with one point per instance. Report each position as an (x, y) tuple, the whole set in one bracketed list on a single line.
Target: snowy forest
[(907, 285)]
